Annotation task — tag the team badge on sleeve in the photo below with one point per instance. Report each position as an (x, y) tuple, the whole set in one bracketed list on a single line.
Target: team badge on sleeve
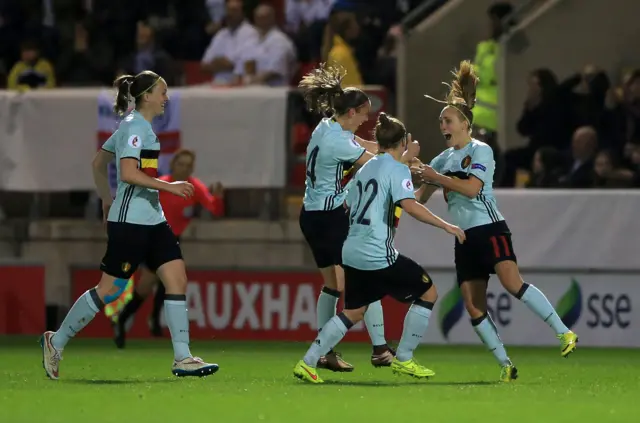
[(407, 185), (479, 166), (135, 141), (465, 162)]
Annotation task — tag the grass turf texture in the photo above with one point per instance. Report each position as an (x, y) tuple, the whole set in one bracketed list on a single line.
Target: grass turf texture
[(100, 384)]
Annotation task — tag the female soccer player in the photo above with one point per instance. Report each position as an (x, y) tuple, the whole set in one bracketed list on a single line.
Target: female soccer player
[(323, 220), (465, 172), (178, 212), (136, 228), (372, 266)]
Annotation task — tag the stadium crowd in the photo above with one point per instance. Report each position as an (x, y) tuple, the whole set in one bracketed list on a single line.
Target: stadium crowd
[(582, 132)]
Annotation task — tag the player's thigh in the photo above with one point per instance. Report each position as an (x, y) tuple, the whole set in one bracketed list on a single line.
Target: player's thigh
[(406, 281), (362, 287), (164, 257), (325, 232), (470, 259), (126, 249)]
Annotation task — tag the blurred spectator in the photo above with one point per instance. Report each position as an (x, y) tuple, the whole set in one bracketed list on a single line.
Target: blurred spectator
[(341, 33), (87, 64), (305, 22), (583, 150), (32, 71), (270, 58), (608, 174), (541, 122), (621, 119), (545, 168), (582, 96), (216, 10), (485, 113), (224, 54), (148, 56)]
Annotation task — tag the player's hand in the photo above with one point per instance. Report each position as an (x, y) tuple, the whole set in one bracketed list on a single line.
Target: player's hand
[(428, 173), (457, 232), (181, 188), (413, 147)]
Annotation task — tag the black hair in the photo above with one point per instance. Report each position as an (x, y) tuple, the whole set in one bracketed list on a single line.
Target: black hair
[(389, 131), (323, 93), (462, 91), (128, 86), (548, 83)]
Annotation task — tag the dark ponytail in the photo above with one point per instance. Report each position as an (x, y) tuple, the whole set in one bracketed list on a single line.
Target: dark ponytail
[(123, 93), (323, 93), (129, 86), (389, 131)]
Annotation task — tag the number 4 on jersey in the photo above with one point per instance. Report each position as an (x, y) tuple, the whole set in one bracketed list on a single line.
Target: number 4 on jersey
[(311, 166)]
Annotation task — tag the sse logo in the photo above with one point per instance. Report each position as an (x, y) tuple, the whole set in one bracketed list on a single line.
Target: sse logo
[(602, 309)]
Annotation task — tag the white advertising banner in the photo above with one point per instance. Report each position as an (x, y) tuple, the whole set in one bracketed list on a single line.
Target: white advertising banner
[(48, 137), (552, 229), (603, 309)]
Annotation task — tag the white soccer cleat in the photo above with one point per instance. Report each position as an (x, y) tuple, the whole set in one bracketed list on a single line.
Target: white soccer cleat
[(50, 356), (193, 366)]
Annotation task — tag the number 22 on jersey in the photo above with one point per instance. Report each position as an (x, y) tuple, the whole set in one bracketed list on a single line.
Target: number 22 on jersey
[(370, 191)]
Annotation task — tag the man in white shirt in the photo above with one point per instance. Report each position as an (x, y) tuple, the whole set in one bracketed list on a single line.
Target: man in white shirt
[(305, 12), (226, 49), (271, 58)]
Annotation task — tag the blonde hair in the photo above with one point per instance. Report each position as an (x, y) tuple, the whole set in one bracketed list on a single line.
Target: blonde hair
[(462, 91)]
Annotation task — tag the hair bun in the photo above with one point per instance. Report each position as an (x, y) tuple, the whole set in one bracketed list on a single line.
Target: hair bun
[(384, 118)]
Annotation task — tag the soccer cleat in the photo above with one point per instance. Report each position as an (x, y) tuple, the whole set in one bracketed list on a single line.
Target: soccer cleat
[(50, 356), (568, 343), (306, 373), (333, 361), (382, 356), (193, 366), (411, 368), (508, 373)]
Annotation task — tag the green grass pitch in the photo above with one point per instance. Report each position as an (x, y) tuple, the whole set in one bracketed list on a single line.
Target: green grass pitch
[(100, 384)]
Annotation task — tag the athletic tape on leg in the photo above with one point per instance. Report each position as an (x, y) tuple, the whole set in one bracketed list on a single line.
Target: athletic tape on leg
[(121, 284)]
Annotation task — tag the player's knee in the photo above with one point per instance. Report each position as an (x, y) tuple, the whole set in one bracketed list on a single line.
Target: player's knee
[(176, 284), (431, 295), (356, 315)]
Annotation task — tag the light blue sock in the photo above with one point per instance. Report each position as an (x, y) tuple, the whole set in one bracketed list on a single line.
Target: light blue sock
[(328, 337), (374, 320), (81, 313), (415, 326), (538, 303), (326, 307), (175, 312), (488, 333)]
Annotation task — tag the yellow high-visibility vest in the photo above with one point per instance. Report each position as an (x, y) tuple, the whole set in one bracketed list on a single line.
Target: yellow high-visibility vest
[(485, 112)]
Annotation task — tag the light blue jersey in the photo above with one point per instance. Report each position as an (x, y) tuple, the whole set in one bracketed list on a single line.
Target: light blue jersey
[(133, 204), (373, 200), (330, 148), (475, 159)]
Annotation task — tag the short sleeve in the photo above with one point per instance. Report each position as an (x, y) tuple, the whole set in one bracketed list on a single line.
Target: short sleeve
[(438, 162), (215, 48), (110, 144), (401, 184), (347, 149), (482, 164), (131, 143)]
